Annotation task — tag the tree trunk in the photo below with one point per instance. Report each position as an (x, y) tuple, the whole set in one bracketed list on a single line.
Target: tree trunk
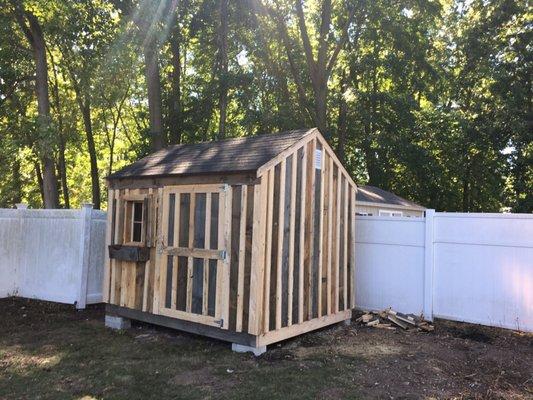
[(223, 68), (341, 125), (153, 84), (35, 36), (62, 170), (95, 180), (175, 114)]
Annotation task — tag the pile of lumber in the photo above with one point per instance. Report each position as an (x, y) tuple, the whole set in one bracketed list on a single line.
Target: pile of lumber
[(390, 319)]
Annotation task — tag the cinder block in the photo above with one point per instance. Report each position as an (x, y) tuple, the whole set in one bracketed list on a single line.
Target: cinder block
[(240, 348), (347, 322), (118, 323)]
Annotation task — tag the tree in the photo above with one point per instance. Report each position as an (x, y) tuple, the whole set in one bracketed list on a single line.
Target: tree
[(30, 26)]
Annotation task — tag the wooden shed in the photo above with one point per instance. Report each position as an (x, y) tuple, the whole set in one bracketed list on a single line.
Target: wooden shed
[(247, 240)]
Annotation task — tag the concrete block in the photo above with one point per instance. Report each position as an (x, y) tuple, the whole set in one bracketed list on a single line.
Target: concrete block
[(240, 348), (118, 323), (347, 322)]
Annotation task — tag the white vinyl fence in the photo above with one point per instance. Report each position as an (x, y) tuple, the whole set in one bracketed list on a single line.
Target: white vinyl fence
[(465, 267), (55, 255)]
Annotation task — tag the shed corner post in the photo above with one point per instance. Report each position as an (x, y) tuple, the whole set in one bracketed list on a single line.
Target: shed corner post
[(429, 264), (85, 248)]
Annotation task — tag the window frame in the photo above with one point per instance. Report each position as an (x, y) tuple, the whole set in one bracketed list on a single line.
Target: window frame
[(130, 222)]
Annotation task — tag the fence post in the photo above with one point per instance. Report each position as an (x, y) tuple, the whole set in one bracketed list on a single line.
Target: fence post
[(428, 264), (85, 248)]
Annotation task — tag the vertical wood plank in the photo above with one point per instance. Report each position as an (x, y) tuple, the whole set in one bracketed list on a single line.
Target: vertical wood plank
[(331, 201), (281, 223), (175, 243), (345, 246), (163, 257), (158, 262), (242, 255), (190, 259), (310, 231), (227, 261), (108, 263), (205, 293), (337, 240), (116, 272), (268, 255), (352, 249), (301, 260), (258, 256), (321, 233), (291, 238)]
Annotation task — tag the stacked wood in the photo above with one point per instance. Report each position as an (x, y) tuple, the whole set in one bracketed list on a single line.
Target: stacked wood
[(387, 318)]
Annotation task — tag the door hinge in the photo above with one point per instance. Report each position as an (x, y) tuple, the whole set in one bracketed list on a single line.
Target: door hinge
[(220, 322), (223, 254)]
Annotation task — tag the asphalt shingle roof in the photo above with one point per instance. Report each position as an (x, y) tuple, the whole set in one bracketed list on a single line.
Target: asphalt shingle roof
[(374, 194), (223, 156)]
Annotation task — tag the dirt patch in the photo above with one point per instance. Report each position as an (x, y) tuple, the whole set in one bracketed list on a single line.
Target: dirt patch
[(59, 352)]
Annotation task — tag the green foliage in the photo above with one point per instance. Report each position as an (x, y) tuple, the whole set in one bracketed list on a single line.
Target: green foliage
[(437, 94)]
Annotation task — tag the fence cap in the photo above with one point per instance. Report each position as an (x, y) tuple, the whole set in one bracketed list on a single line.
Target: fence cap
[(21, 206), (87, 205)]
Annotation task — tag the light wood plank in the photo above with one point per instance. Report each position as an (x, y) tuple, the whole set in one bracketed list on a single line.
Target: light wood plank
[(201, 319), (310, 135), (108, 264), (258, 257), (321, 232), (158, 265), (337, 240), (226, 263), (146, 284), (345, 246), (196, 253), (281, 223), (190, 259), (292, 223), (330, 234), (207, 244), (310, 219), (301, 260), (268, 252), (242, 255), (352, 249), (163, 255), (298, 329)]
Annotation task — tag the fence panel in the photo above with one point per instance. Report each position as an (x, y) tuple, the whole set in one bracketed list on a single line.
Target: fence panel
[(54, 255), (389, 263), (483, 269), (466, 267)]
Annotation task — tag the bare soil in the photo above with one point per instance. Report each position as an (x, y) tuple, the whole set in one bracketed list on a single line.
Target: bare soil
[(50, 351)]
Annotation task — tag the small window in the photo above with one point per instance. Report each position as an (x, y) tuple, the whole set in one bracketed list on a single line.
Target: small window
[(390, 213), (136, 208), (137, 222)]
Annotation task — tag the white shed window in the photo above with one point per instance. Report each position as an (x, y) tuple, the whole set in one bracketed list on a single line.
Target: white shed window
[(390, 213)]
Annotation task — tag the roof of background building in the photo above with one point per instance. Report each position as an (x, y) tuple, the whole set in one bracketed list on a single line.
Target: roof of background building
[(372, 194)]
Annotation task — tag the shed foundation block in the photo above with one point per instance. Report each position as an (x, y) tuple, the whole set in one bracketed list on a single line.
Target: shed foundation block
[(117, 323), (347, 322), (239, 348)]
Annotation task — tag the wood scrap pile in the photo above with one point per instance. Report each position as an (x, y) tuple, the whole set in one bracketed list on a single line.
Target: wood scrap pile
[(390, 319)]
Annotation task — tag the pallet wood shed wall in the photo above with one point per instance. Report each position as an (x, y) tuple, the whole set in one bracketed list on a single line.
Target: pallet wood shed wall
[(253, 254)]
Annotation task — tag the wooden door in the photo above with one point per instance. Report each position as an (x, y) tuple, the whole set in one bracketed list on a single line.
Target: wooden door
[(195, 265)]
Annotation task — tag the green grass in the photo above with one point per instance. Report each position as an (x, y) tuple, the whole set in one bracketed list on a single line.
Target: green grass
[(50, 351), (57, 353)]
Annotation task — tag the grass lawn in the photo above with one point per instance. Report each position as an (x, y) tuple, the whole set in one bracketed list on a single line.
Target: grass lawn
[(50, 351)]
